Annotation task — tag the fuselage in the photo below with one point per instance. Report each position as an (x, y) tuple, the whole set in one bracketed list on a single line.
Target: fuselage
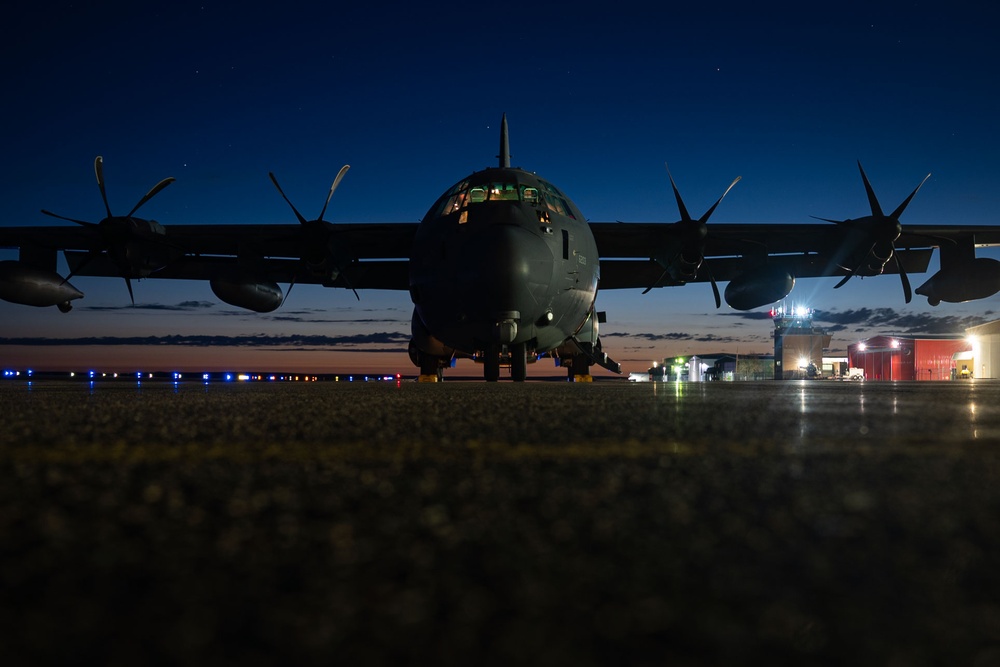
[(502, 258)]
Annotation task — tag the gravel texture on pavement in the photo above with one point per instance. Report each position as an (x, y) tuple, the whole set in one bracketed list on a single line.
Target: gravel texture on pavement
[(465, 523)]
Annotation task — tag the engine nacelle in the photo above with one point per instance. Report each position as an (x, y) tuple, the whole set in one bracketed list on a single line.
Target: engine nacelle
[(967, 281), (759, 287), (31, 286), (146, 257), (260, 296)]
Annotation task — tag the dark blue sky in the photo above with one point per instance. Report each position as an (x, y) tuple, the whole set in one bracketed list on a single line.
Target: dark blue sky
[(598, 97)]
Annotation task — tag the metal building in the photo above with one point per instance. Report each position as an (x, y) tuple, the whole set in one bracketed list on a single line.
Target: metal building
[(985, 340), (909, 357)]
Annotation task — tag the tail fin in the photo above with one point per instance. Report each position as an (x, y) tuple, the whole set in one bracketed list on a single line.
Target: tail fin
[(504, 144)]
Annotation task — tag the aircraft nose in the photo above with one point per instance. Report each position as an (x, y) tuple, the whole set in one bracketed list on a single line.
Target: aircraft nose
[(512, 269)]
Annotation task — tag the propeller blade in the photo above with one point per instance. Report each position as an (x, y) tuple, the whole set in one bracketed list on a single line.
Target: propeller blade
[(298, 215), (348, 283), (715, 286), (902, 207), (63, 217), (685, 216), (152, 193), (853, 271), (657, 282), (872, 199), (128, 283), (336, 182), (289, 290), (907, 294), (99, 171), (710, 211), (80, 267), (844, 280), (845, 223)]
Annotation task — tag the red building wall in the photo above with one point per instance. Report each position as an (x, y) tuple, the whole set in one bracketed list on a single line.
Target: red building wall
[(890, 358), (933, 358)]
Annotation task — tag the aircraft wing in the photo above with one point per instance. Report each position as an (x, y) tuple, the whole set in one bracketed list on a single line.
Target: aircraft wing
[(804, 250), (375, 255), (640, 274), (359, 240)]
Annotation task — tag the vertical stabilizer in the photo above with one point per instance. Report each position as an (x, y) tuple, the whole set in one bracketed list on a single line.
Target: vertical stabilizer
[(504, 144)]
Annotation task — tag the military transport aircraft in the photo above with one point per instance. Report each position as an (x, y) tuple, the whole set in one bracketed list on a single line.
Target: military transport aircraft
[(503, 268)]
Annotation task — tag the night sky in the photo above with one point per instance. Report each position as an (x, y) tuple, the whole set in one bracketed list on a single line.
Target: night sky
[(598, 97)]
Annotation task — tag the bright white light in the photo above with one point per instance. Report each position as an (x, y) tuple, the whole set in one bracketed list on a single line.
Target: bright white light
[(862, 347), (801, 311), (894, 343), (803, 362)]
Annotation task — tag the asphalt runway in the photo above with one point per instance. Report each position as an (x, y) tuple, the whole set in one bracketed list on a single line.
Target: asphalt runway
[(464, 523)]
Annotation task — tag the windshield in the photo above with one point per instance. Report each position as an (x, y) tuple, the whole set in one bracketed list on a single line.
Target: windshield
[(465, 194)]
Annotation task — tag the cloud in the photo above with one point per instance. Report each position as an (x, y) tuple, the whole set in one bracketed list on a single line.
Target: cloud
[(748, 315), (673, 337), (255, 340), (651, 336), (299, 319), (882, 319), (867, 319), (182, 306)]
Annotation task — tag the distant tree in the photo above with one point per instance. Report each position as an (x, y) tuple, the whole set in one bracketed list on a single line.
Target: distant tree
[(754, 368)]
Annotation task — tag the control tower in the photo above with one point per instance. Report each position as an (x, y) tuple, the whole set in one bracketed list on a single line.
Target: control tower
[(798, 345)]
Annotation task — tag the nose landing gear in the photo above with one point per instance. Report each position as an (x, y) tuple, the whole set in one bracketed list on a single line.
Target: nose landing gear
[(514, 355)]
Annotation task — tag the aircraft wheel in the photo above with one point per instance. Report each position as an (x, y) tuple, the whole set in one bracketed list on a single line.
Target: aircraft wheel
[(518, 362), (580, 367), (430, 366), (491, 363)]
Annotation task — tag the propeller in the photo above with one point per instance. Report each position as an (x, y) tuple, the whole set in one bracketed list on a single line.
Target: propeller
[(315, 243), (115, 231), (877, 232), (690, 235)]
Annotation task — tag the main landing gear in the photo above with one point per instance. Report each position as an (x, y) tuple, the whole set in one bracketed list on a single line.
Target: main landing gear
[(578, 369)]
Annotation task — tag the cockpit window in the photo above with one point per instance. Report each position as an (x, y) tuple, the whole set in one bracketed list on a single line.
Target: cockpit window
[(503, 192), (454, 199), (465, 194), (554, 199)]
